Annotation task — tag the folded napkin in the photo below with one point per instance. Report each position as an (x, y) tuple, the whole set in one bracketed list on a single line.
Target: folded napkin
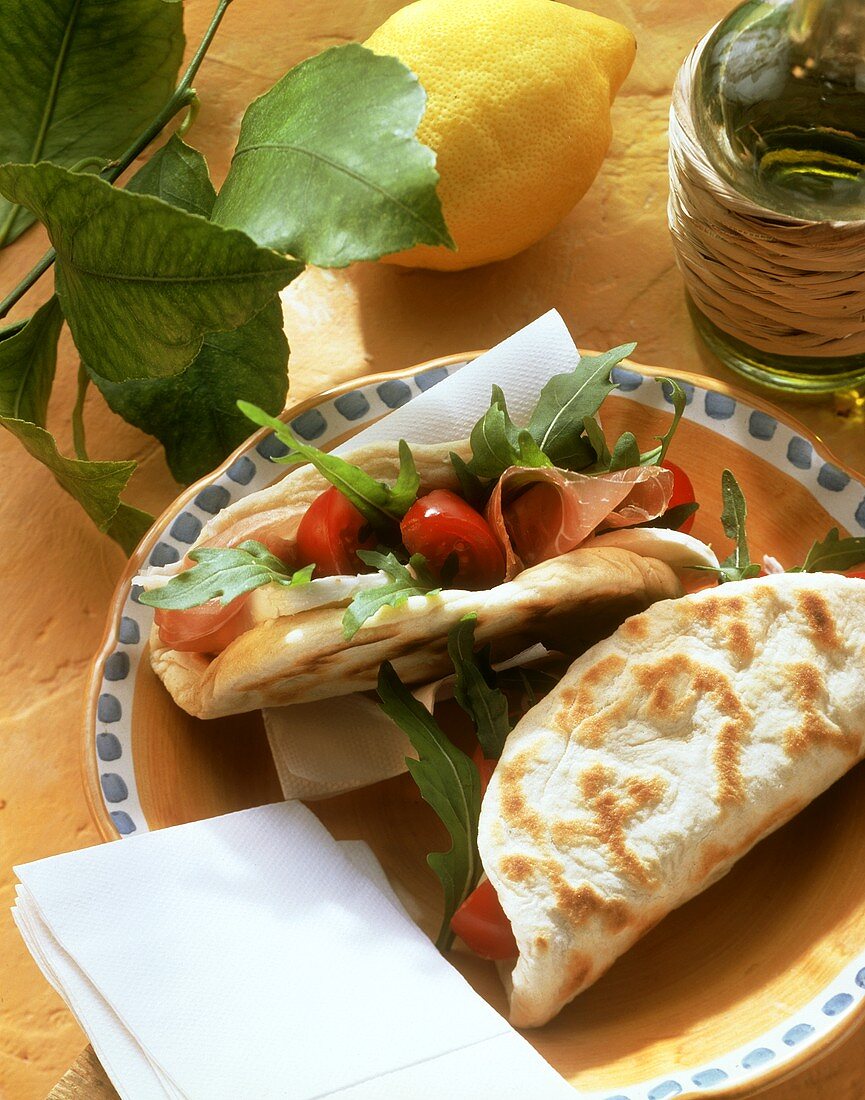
[(252, 956)]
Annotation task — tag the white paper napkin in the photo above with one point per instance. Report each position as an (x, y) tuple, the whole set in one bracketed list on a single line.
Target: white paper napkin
[(251, 956), (324, 748)]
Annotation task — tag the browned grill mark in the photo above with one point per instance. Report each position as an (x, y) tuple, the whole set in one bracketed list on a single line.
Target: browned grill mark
[(636, 628), (515, 808), (577, 715), (578, 972), (820, 620), (810, 692)]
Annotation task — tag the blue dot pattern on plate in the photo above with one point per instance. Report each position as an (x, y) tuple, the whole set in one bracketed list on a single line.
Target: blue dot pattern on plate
[(761, 425), (108, 708), (129, 632), (758, 1057), (719, 406), (108, 747), (837, 1004), (117, 666), (689, 397), (135, 593), (626, 380), (833, 479), (309, 425), (394, 393), (241, 471), (114, 787), (270, 447), (708, 1077), (799, 453), (164, 554), (212, 499), (186, 528), (665, 1089), (352, 405), (797, 1034), (860, 513), (123, 822), (860, 978), (430, 378)]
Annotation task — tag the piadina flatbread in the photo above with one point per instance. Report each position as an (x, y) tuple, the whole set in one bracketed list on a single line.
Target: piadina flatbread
[(664, 754), (295, 652)]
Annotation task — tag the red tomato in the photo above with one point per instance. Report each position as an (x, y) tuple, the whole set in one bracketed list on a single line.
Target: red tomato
[(856, 573), (440, 524), (485, 767), (481, 924), (683, 491), (205, 629), (330, 534)]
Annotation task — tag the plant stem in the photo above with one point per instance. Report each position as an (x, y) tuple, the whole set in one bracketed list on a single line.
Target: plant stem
[(182, 96), (78, 438)]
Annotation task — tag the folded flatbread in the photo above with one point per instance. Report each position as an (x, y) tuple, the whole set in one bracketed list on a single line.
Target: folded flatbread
[(664, 754), (295, 653)]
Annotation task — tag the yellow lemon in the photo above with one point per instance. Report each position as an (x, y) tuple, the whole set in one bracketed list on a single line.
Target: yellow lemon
[(518, 113)]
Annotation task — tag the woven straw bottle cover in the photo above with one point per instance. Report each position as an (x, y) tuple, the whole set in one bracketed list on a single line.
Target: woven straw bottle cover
[(779, 284)]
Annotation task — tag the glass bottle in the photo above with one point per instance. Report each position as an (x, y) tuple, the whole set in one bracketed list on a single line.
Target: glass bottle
[(778, 103)]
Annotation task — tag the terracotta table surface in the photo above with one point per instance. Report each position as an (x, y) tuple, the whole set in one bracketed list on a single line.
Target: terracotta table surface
[(608, 269)]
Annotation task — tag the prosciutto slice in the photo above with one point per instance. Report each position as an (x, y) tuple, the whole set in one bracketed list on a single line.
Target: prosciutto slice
[(537, 514)]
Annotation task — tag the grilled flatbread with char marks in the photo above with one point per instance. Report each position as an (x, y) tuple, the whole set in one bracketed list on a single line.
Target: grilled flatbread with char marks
[(664, 754)]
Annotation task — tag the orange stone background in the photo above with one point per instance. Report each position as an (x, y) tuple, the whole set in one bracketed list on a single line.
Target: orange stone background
[(608, 269)]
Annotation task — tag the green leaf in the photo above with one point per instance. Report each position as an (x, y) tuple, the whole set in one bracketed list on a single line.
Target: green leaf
[(671, 520), (81, 78), (738, 566), (470, 484), (566, 400), (498, 443), (381, 505), (194, 414), (626, 453), (595, 436), (178, 175), (475, 690), (141, 282), (224, 573), (833, 554), (676, 394), (327, 167), (28, 358), (418, 582), (448, 780)]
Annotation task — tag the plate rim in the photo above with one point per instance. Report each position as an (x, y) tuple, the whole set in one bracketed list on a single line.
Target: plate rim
[(774, 1074)]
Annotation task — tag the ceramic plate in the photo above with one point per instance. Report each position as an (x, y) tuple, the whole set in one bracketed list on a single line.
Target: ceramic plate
[(743, 985)]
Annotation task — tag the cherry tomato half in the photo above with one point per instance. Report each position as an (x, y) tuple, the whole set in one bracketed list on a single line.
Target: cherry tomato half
[(856, 573), (205, 629), (683, 491), (440, 524), (330, 534), (481, 924)]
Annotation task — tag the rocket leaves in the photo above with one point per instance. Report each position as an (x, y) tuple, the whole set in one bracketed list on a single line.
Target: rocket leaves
[(327, 166), (142, 282), (80, 79)]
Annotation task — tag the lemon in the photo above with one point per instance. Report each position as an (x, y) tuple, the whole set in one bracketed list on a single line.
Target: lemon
[(518, 113)]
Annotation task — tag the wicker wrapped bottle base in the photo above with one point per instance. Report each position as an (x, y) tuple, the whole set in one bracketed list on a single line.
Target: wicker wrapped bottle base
[(777, 298)]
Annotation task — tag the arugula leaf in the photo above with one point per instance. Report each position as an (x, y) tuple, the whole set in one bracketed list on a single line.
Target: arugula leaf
[(81, 78), (224, 573), (332, 185), (178, 175), (381, 505), (738, 565), (833, 554), (28, 358), (626, 452), (448, 780), (676, 394), (566, 400), (498, 443), (141, 282), (472, 487), (672, 519), (418, 582), (475, 689)]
